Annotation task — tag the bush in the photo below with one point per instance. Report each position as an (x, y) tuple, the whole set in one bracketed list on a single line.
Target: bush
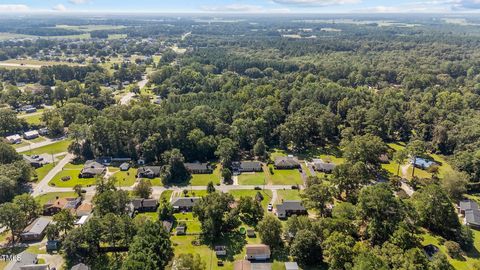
[(271, 170), (257, 188), (453, 249)]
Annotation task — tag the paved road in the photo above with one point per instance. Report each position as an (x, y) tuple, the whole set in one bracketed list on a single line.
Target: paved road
[(37, 145), (42, 186)]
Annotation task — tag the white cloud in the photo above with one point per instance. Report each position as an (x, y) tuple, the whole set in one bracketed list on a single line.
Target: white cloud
[(14, 8), (466, 4), (316, 2), (60, 7), (79, 2)]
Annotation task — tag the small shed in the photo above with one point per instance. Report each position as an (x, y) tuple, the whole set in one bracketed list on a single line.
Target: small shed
[(124, 166)]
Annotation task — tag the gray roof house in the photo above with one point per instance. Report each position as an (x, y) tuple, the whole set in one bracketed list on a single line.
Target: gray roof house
[(92, 169), (289, 162), (26, 260), (80, 266), (144, 205), (36, 230), (322, 166), (467, 205), (149, 172), (288, 208), (198, 168), (472, 218), (247, 166), (184, 203)]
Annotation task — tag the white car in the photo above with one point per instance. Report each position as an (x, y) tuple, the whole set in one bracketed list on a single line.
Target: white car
[(270, 207)]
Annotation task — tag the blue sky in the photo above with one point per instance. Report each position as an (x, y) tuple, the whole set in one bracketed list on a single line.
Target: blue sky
[(242, 6)]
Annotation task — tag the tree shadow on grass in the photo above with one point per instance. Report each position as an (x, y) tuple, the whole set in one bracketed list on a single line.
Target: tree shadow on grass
[(280, 254), (234, 243)]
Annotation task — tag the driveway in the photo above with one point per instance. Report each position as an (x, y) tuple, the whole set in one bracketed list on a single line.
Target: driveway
[(42, 186)]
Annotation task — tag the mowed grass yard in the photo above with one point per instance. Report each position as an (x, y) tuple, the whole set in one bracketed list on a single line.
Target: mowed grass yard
[(43, 171), (465, 263), (72, 171), (54, 148), (288, 195), (267, 195), (204, 179), (124, 178), (44, 198), (284, 177), (254, 178)]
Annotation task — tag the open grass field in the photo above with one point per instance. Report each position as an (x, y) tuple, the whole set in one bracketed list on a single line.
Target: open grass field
[(193, 225), (257, 178), (465, 263), (287, 195), (42, 171), (72, 171), (44, 198), (267, 195), (284, 177), (124, 178), (204, 179), (54, 148), (166, 194)]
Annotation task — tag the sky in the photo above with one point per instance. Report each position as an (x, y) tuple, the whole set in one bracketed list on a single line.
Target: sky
[(241, 6)]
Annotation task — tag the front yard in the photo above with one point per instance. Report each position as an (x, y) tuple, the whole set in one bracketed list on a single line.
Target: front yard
[(71, 171), (253, 179), (204, 179)]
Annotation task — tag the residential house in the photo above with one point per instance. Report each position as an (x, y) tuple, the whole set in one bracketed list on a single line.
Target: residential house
[(469, 209), (92, 169), (144, 205), (148, 172), (14, 139), (289, 162), (184, 203), (467, 205), (30, 135), (80, 266), (322, 166), (36, 230), (26, 261), (422, 163), (54, 206), (198, 168), (82, 220), (247, 166), (124, 166), (84, 209), (181, 229), (257, 252), (288, 208)]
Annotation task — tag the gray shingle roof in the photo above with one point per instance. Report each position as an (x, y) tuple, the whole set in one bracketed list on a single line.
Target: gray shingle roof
[(468, 205), (249, 165), (290, 206), (286, 162), (37, 227), (472, 217), (196, 166), (185, 202)]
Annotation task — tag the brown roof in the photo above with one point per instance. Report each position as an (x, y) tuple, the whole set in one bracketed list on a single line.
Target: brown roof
[(258, 249), (85, 208), (242, 265), (60, 202)]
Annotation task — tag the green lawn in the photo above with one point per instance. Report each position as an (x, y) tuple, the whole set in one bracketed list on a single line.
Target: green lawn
[(35, 119), (73, 171), (257, 178), (204, 179), (285, 177), (153, 216), (54, 148), (166, 194), (194, 193), (466, 263), (125, 178), (155, 181), (43, 171), (333, 159), (288, 194), (44, 198), (22, 144), (193, 225), (267, 195)]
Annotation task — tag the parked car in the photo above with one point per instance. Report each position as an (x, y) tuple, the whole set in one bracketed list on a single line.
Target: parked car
[(270, 207)]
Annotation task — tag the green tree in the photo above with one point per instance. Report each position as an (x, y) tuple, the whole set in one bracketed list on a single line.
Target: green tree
[(455, 184), (440, 262), (226, 175), (270, 231), (250, 210), (366, 149), (143, 189), (260, 149), (436, 212), (13, 219), (226, 151), (210, 187), (306, 248), (151, 248), (165, 210), (399, 157), (317, 197), (415, 149), (338, 251), (64, 220), (380, 210), (28, 205)]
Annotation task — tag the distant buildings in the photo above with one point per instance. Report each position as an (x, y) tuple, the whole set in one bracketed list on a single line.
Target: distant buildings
[(14, 139)]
